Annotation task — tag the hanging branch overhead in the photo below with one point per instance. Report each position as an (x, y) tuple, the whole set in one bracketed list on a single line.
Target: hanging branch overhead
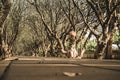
[(6, 9), (84, 19)]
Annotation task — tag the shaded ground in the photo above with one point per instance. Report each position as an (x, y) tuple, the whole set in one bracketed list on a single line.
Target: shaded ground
[(26, 68)]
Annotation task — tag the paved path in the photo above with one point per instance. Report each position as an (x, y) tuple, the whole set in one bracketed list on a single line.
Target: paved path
[(29, 68)]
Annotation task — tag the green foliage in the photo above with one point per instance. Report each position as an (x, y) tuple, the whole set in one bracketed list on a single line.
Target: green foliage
[(116, 40), (116, 37), (91, 46)]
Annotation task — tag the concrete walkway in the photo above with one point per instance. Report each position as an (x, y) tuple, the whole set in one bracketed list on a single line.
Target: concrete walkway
[(31, 68), (3, 66)]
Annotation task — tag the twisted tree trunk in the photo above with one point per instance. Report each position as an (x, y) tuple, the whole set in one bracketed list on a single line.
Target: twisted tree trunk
[(109, 48), (5, 11)]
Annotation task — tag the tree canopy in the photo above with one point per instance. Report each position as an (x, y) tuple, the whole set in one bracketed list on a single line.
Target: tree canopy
[(59, 28)]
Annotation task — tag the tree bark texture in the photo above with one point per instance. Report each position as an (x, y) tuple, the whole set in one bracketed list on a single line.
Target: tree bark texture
[(5, 11)]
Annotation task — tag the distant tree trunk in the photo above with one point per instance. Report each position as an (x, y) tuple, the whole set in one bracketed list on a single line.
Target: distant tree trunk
[(0, 44), (100, 50), (111, 32), (104, 47), (108, 52), (85, 44), (101, 46), (6, 8), (52, 49)]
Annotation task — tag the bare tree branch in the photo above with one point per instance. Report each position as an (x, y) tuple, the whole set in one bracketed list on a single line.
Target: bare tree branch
[(99, 16), (6, 4), (107, 3), (109, 17), (68, 15), (93, 32)]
